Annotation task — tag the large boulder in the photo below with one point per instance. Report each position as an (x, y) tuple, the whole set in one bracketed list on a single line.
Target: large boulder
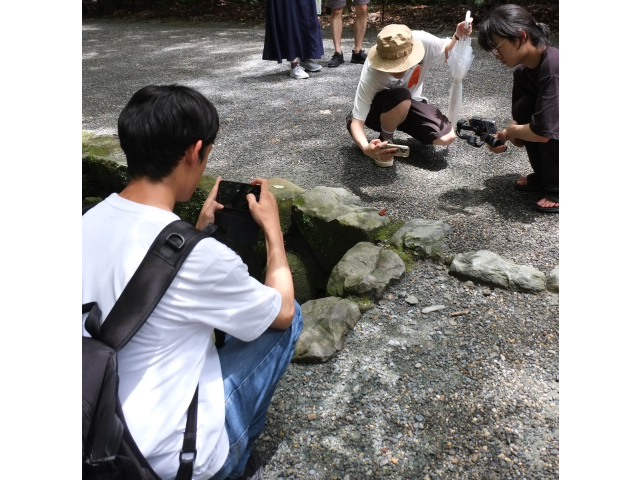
[(423, 237), (327, 322), (331, 222), (365, 270), (286, 194), (553, 281), (490, 268)]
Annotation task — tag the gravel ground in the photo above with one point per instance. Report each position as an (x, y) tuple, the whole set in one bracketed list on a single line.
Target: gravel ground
[(412, 395)]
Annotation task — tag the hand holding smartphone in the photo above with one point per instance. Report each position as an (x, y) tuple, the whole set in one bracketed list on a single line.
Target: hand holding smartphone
[(235, 221), (234, 194), (401, 150)]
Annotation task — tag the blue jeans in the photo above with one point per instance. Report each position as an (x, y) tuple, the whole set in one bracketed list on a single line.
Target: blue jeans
[(250, 371)]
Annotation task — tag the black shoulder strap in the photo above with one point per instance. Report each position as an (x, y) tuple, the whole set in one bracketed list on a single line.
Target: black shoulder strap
[(149, 282)]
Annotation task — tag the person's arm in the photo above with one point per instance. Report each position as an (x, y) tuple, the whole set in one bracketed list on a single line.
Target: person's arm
[(460, 31), (373, 149), (517, 132), (278, 276)]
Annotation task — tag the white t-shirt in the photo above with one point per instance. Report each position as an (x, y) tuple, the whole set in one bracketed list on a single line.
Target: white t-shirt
[(173, 352), (373, 81)]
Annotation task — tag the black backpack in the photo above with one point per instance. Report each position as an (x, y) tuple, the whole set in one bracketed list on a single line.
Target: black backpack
[(108, 449)]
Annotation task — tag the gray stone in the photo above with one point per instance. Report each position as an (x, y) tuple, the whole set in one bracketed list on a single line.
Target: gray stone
[(412, 300), (331, 222), (423, 237), (553, 281), (488, 267), (365, 270), (433, 308), (327, 322)]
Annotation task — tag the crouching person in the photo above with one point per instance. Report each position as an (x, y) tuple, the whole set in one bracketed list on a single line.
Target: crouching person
[(388, 97), (167, 133)]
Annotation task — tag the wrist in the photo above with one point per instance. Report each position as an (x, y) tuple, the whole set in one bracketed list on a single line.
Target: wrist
[(455, 35)]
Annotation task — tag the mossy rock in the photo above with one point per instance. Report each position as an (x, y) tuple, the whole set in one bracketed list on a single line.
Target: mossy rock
[(90, 201), (286, 193), (364, 303), (190, 210), (106, 147), (331, 223), (302, 278)]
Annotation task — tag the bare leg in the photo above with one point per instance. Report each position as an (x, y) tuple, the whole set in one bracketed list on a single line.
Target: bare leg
[(359, 26), (446, 139), (336, 28), (394, 117)]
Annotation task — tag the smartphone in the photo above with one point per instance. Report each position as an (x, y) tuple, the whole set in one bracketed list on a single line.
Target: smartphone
[(402, 150), (234, 194)]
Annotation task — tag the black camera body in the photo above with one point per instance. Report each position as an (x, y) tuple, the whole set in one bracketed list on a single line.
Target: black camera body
[(483, 130)]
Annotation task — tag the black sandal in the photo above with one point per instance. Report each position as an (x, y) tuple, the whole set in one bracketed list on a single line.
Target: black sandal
[(552, 197)]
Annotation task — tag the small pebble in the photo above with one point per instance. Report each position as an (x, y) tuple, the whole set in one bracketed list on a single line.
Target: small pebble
[(312, 416), (433, 308)]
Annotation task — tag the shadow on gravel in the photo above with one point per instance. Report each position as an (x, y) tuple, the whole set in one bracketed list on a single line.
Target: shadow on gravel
[(425, 156), (498, 192)]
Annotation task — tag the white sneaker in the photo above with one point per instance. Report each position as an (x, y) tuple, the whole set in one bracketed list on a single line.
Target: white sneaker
[(384, 163), (310, 65), (298, 73)]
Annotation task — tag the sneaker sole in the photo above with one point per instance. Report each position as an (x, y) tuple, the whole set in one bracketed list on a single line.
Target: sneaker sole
[(312, 70), (383, 163), (334, 66)]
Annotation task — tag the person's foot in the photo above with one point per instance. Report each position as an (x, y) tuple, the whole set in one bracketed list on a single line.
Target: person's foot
[(310, 66), (298, 73), (359, 57), (336, 60), (547, 205), (523, 185)]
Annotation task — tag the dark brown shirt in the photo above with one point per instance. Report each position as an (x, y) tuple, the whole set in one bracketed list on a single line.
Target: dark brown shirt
[(543, 83)]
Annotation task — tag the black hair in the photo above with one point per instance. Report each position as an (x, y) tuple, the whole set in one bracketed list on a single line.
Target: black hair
[(159, 124), (509, 21)]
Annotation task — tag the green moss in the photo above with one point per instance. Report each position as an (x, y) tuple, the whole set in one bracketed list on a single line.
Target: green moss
[(409, 262), (388, 231), (101, 146), (90, 201), (102, 177), (364, 303)]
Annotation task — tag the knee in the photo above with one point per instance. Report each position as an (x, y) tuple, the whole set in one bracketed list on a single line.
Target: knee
[(361, 10), (336, 13), (446, 139)]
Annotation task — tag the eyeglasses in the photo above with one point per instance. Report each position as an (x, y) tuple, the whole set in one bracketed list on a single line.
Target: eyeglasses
[(495, 51)]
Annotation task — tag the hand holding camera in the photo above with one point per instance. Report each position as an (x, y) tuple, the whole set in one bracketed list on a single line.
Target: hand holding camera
[(484, 131), (239, 210)]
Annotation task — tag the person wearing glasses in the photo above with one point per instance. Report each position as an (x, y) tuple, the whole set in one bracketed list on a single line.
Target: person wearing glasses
[(517, 40)]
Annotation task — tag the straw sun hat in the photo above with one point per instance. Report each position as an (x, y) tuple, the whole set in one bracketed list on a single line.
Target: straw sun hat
[(396, 50)]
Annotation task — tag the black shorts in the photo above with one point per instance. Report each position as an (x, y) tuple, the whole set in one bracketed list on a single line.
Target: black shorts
[(424, 122)]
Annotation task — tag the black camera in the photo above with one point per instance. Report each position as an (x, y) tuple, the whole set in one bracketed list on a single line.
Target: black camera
[(483, 130), (234, 221)]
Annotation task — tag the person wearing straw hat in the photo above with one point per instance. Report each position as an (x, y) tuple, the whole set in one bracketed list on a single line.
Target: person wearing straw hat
[(389, 93)]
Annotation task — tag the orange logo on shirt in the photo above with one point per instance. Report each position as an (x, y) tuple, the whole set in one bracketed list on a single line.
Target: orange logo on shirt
[(414, 77)]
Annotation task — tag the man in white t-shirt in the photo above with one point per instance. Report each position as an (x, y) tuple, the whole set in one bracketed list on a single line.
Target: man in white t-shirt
[(167, 133), (389, 94)]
